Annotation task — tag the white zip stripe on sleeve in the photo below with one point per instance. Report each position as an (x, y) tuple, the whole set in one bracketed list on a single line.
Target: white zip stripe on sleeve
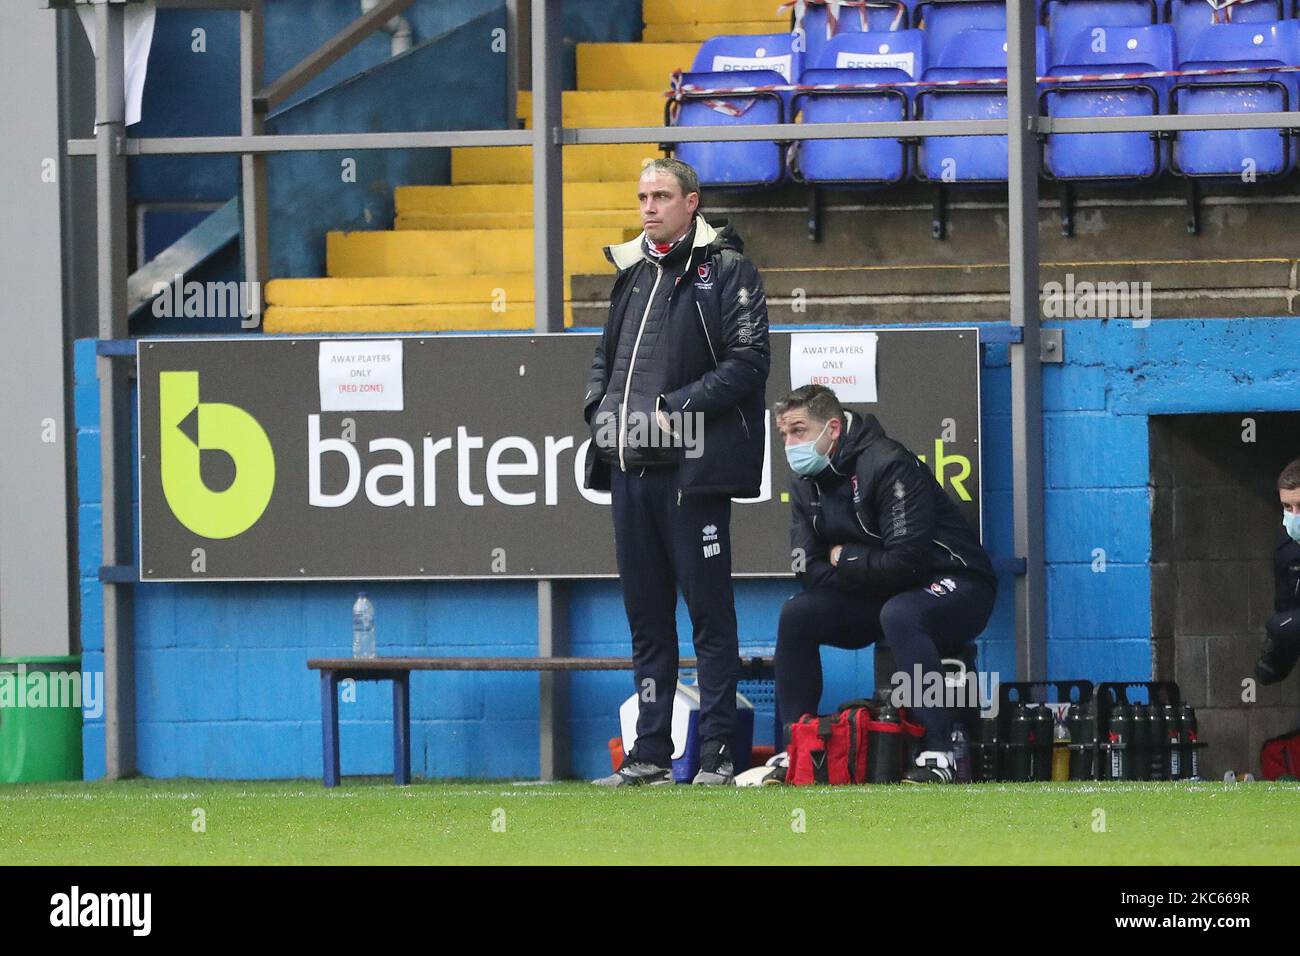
[(708, 340), (631, 367), (863, 525), (950, 551)]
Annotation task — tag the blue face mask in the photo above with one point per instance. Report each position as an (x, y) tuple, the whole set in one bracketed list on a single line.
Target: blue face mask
[(803, 458), (1292, 524)]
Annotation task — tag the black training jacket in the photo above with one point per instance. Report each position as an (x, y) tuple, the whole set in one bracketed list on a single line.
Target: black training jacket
[(706, 353), (898, 527), (1286, 573)]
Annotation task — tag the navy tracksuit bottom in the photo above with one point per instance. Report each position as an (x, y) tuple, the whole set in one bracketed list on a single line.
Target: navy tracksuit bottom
[(664, 541), (920, 625)]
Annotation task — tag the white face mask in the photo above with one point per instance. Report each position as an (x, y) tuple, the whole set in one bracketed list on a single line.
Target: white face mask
[(804, 458), (1292, 524)]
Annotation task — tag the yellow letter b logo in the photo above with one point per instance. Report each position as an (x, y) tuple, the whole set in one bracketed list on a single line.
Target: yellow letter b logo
[(190, 427)]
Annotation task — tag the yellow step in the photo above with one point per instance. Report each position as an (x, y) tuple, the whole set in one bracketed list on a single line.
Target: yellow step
[(435, 252), (581, 219), (402, 318), (509, 197), (687, 11), (631, 66), (500, 289), (514, 164), (696, 32), (583, 109)]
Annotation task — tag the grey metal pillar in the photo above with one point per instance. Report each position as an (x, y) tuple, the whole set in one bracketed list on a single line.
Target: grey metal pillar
[(1026, 370), (553, 706), (37, 570), (252, 167), (518, 55), (548, 301), (548, 177), (114, 389)]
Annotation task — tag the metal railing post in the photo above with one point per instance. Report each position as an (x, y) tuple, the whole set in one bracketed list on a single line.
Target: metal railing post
[(114, 388), (548, 304), (1026, 356), (252, 166)]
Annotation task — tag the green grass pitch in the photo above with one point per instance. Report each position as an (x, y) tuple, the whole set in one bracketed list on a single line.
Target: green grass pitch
[(369, 821)]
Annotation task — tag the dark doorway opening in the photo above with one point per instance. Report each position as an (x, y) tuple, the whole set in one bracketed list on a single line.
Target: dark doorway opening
[(1214, 521)]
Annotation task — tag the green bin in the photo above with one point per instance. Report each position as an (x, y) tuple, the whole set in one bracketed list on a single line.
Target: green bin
[(40, 719)]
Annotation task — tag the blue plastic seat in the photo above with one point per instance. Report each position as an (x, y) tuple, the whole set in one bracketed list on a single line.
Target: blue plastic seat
[(725, 62), (882, 15), (1109, 49), (1191, 17), (889, 57), (1262, 153), (1066, 19), (969, 55), (944, 19)]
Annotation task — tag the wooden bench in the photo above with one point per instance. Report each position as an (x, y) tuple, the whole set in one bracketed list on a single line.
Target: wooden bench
[(398, 670)]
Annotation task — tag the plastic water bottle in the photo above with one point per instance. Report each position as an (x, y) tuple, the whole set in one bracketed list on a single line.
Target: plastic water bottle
[(1061, 750), (961, 754), (363, 627)]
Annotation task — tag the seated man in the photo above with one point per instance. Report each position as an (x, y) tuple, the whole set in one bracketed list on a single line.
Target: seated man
[(1282, 643), (882, 554)]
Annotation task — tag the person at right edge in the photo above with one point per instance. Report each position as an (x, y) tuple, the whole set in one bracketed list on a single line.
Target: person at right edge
[(882, 554), (1281, 646)]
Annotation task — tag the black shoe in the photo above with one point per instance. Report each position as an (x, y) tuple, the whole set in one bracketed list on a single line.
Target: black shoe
[(636, 772), (1276, 658), (716, 768), (933, 766)]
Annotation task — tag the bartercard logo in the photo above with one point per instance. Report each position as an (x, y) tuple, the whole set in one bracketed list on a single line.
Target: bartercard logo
[(192, 429)]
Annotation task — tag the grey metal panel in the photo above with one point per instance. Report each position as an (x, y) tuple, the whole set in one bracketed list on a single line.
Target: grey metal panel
[(35, 562)]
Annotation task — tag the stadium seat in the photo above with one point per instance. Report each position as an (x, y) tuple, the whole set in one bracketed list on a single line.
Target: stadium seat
[(1066, 19), (944, 19), (860, 58), (969, 55), (1232, 153), (1191, 17), (1109, 49), (730, 61), (878, 15)]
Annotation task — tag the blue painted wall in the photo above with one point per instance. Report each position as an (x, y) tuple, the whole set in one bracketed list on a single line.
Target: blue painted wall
[(223, 690)]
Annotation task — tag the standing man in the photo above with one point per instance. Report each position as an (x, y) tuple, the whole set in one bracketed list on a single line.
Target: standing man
[(1282, 643), (883, 554), (675, 403)]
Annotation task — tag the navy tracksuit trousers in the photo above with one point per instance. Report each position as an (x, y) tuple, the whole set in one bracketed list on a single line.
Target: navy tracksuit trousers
[(664, 541), (920, 625)]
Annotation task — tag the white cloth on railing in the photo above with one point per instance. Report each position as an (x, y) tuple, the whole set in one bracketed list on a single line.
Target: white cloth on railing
[(137, 38)]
